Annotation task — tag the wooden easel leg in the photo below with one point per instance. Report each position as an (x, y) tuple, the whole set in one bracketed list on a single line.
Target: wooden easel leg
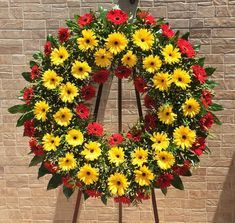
[(77, 206), (120, 213), (155, 211)]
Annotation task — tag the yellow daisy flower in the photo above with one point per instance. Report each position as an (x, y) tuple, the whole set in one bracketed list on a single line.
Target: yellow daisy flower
[(129, 59), (143, 39), (63, 116), (50, 79), (88, 174), (91, 150), (50, 142), (152, 63), (143, 176), (80, 70), (103, 58), (116, 42), (181, 78), (191, 107), (117, 184), (139, 156), (68, 162), (165, 160), (68, 92), (116, 155), (40, 110), (184, 137), (88, 41), (166, 114), (161, 81), (58, 56), (161, 141), (74, 137), (171, 54)]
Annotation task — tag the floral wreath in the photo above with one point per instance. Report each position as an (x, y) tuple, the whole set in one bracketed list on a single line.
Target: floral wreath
[(75, 149)]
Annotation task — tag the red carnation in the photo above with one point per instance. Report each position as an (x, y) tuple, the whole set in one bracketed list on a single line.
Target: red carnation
[(206, 121), (182, 170), (122, 199), (29, 129), (150, 20), (117, 16), (164, 181), (93, 193), (95, 128), (199, 73), (85, 20), (35, 147), (63, 34), (150, 121), (148, 101), (51, 167), (67, 182), (206, 98), (140, 84), (167, 31), (141, 195), (35, 72), (142, 14), (136, 137), (186, 48), (88, 92), (123, 72), (82, 111), (101, 76), (28, 94), (199, 146), (115, 139), (47, 48)]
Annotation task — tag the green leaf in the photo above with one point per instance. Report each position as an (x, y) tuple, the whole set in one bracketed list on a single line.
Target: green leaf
[(177, 182), (52, 40), (86, 196), (27, 76), (32, 63), (201, 61), (216, 120), (36, 160), (67, 191), (38, 56), (23, 118), (216, 107), (197, 47), (211, 84), (104, 199), (164, 191), (19, 109), (186, 36), (187, 173), (54, 182), (210, 70), (42, 171)]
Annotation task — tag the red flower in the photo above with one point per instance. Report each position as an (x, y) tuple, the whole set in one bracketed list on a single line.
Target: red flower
[(123, 72), (122, 199), (88, 92), (136, 137), (95, 128), (199, 146), (142, 14), (29, 129), (206, 121), (101, 76), (199, 73), (186, 48), (78, 184), (35, 147), (166, 31), (67, 182), (164, 181), (63, 34), (148, 101), (34, 72), (51, 167), (141, 195), (140, 84), (206, 98), (115, 139), (28, 95), (150, 122), (182, 170), (82, 111), (47, 48), (85, 20), (150, 20), (117, 16), (93, 193)]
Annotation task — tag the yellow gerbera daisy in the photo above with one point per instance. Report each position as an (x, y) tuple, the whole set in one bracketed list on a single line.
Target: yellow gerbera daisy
[(152, 63), (165, 160), (80, 70), (139, 156), (50, 142), (143, 38), (162, 81), (58, 56), (117, 184), (116, 42), (129, 59), (50, 79), (191, 107), (184, 137), (171, 54), (181, 78), (103, 58), (116, 155), (68, 92), (74, 137), (143, 176), (161, 141), (88, 41), (63, 116), (88, 174), (40, 110), (91, 150), (166, 114), (68, 162)]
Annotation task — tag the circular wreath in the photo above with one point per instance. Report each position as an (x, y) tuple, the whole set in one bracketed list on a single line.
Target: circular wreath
[(74, 148)]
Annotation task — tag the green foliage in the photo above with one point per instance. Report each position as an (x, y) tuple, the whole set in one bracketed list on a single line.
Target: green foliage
[(67, 191), (27, 76), (216, 107), (54, 182), (36, 160), (177, 182), (26, 116), (210, 70), (19, 109)]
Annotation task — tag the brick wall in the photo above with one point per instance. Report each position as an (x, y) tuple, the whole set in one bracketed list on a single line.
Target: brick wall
[(209, 195)]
